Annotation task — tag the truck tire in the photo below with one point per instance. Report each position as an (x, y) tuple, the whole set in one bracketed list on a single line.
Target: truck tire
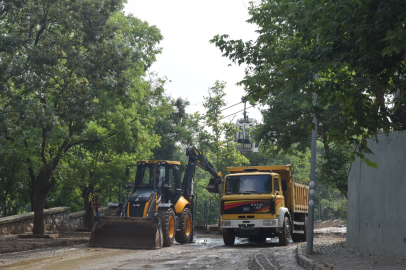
[(184, 234), (285, 233), (167, 217), (229, 237), (296, 237)]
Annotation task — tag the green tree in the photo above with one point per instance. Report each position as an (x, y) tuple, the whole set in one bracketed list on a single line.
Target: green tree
[(175, 131), (216, 138), (14, 182), (287, 129), (99, 167), (72, 76), (351, 53)]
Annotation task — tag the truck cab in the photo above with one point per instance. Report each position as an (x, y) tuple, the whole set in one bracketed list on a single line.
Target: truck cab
[(259, 202)]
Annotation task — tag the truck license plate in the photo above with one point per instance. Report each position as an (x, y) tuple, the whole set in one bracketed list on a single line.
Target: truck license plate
[(246, 228)]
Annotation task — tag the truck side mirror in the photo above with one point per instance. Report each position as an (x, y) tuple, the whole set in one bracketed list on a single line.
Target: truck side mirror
[(284, 184), (127, 171)]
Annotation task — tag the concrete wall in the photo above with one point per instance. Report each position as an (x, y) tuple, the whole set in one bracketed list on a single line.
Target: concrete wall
[(55, 219), (376, 220)]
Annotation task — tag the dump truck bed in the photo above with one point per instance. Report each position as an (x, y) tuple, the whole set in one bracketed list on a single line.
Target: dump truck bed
[(298, 198)]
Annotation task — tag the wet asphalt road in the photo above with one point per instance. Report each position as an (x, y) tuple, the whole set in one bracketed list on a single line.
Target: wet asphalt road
[(208, 252)]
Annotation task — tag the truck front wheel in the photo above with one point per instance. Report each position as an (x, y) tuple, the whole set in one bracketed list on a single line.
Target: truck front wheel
[(285, 233), (229, 237)]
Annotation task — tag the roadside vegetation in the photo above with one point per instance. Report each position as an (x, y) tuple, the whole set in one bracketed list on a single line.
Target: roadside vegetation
[(78, 101)]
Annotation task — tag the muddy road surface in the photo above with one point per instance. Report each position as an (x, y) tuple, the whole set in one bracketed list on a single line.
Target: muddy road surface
[(208, 252)]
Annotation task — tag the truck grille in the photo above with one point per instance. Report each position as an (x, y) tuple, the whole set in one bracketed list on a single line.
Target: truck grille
[(246, 207)]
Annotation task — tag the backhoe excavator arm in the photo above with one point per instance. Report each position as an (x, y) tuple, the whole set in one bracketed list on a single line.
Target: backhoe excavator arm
[(196, 158)]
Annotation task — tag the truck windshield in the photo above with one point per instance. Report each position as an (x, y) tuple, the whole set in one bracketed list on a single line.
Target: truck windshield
[(249, 184)]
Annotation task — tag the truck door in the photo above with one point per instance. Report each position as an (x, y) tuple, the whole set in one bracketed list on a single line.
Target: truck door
[(279, 198)]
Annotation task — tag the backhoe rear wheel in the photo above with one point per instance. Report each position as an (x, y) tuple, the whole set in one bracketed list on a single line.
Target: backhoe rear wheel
[(167, 217), (229, 237), (185, 225)]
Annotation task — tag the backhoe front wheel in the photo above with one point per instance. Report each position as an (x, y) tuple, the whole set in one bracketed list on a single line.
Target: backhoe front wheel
[(184, 234), (167, 217)]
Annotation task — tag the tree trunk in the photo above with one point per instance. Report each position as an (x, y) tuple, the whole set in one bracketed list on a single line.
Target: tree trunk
[(87, 195), (38, 208), (43, 183)]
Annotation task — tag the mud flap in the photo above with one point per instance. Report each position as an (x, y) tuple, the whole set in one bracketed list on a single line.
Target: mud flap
[(126, 232)]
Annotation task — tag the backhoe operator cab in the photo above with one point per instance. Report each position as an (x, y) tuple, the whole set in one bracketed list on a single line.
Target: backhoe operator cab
[(260, 202), (161, 175)]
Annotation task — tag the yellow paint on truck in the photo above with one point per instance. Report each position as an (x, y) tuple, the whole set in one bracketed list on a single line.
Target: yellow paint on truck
[(256, 200)]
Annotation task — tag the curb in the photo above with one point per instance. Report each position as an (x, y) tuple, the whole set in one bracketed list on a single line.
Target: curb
[(304, 261)]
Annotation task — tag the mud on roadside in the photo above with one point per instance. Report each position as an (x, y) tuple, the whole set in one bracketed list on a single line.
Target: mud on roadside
[(11, 243)]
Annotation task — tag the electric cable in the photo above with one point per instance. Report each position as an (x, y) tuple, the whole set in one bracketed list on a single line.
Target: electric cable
[(238, 112), (231, 106)]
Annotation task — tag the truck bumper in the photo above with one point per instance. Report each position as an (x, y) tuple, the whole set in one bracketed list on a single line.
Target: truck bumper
[(256, 223)]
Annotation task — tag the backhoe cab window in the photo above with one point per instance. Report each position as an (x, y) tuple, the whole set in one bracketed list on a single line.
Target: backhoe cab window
[(144, 176), (245, 184), (160, 176)]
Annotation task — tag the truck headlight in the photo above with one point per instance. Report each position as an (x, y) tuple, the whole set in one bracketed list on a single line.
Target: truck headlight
[(269, 223), (226, 223)]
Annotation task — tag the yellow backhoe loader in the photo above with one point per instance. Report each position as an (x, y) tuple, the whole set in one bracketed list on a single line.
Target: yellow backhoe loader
[(160, 207)]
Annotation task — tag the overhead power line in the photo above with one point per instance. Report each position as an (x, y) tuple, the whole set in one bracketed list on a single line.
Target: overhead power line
[(231, 106), (237, 112)]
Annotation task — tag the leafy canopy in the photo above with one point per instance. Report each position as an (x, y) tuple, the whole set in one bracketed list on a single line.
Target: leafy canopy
[(351, 53)]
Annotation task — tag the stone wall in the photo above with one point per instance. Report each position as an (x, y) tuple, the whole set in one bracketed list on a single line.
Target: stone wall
[(376, 220), (55, 219)]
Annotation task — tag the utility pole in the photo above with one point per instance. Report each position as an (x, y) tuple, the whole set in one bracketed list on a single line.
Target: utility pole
[(312, 184)]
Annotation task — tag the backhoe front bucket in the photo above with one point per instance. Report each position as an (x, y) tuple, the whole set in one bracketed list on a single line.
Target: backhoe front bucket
[(126, 232)]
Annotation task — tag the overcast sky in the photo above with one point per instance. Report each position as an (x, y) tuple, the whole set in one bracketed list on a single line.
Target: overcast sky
[(188, 60)]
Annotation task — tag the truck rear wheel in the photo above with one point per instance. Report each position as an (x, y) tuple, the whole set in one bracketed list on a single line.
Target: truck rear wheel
[(185, 226), (167, 217), (229, 237), (285, 233)]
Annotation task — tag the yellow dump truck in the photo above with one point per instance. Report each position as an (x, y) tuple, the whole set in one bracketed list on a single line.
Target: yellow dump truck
[(260, 202)]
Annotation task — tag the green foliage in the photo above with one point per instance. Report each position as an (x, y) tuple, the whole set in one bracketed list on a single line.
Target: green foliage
[(176, 131), (73, 93), (14, 182), (333, 167), (216, 139), (357, 50)]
